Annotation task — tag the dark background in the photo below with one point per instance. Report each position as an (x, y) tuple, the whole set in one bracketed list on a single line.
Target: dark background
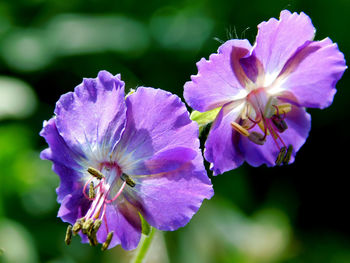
[(296, 213)]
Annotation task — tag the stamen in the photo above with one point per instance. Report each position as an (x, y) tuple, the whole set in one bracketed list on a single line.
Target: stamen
[(85, 186), (256, 121), (68, 237), (78, 225), (240, 129), (96, 173), (87, 226), (92, 240), (97, 225), (128, 180), (257, 138), (91, 190), (263, 128), (288, 155), (279, 123), (98, 192), (284, 108), (281, 155), (107, 242)]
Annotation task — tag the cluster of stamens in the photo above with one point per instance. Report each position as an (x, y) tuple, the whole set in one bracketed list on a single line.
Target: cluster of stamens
[(92, 221), (271, 122)]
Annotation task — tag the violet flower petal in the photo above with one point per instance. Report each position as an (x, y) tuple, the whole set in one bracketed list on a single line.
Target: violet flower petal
[(312, 73), (64, 159), (124, 220), (153, 143), (91, 118), (220, 145), (169, 200), (58, 151), (73, 206), (217, 81), (159, 135), (277, 40)]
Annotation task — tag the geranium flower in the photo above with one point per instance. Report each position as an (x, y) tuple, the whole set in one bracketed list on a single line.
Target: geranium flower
[(121, 157), (262, 91)]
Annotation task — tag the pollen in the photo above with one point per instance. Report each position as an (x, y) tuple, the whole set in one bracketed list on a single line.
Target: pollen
[(91, 190), (68, 237), (108, 241), (284, 155), (128, 180), (288, 155), (78, 225), (87, 226), (281, 155), (95, 173)]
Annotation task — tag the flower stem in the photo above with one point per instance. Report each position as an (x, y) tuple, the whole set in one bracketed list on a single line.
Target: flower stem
[(144, 246)]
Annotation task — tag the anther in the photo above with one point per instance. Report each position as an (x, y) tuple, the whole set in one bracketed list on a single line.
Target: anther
[(128, 180), (257, 138), (91, 190), (240, 129), (92, 240), (78, 225), (68, 237), (279, 123), (288, 155), (283, 108), (96, 173), (281, 155), (93, 231), (86, 228), (108, 241), (97, 225)]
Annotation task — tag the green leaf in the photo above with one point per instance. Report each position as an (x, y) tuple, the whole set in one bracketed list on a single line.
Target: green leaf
[(204, 118), (146, 228)]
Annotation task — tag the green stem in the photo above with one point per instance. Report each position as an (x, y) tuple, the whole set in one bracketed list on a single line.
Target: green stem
[(144, 246)]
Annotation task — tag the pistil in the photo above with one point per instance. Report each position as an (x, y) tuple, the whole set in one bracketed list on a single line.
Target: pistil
[(268, 113)]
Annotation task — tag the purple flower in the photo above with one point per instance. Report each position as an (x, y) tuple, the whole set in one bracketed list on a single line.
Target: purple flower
[(262, 91), (121, 157)]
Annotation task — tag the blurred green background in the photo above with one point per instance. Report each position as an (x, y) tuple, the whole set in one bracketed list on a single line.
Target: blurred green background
[(286, 214)]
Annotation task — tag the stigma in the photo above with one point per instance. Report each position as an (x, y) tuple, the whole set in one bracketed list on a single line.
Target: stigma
[(98, 190), (268, 113)]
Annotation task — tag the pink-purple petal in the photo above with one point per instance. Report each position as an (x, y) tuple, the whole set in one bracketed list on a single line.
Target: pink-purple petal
[(312, 73), (220, 79), (73, 206), (92, 117), (158, 126), (277, 40), (220, 147)]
